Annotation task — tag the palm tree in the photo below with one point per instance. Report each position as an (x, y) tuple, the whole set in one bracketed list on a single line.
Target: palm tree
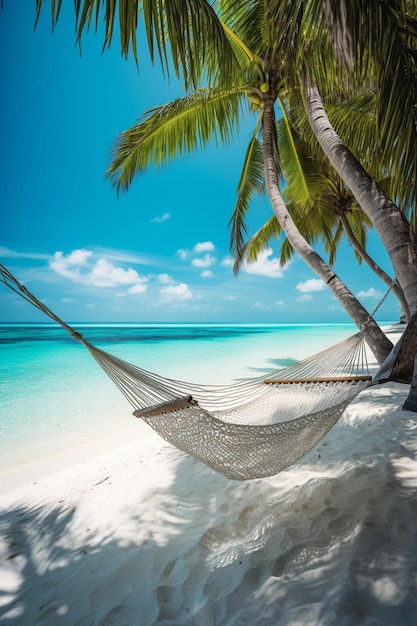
[(165, 132), (324, 208), (379, 40), (391, 224), (346, 22), (375, 39)]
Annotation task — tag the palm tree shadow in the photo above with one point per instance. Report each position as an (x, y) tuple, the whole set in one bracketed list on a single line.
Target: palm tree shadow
[(330, 540)]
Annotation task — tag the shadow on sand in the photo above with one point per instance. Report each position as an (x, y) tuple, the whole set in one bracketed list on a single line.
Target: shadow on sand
[(332, 540)]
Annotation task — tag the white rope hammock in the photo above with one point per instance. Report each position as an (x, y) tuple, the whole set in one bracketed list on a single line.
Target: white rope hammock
[(248, 429)]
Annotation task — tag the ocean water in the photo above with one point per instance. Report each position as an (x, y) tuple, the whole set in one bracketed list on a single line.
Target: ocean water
[(53, 395)]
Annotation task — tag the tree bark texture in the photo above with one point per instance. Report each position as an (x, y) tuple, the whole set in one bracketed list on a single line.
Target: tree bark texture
[(389, 222), (378, 342), (403, 367), (411, 402), (395, 287), (401, 364)]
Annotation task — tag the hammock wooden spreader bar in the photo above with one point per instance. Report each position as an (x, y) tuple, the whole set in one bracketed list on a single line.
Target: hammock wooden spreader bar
[(247, 429), (167, 407), (328, 379)]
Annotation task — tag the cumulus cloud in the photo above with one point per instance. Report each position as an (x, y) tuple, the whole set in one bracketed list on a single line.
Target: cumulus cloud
[(227, 261), (206, 274), (264, 266), (369, 293), (161, 218), (138, 288), (80, 267), (164, 278), (305, 298), (204, 246), (176, 293), (314, 284), (199, 248), (183, 254), (205, 261)]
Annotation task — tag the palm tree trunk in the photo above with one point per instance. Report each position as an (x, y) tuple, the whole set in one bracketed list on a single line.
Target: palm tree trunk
[(401, 366), (392, 283), (376, 339), (389, 222)]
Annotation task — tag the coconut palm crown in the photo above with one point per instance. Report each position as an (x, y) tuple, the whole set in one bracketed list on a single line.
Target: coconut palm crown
[(261, 82)]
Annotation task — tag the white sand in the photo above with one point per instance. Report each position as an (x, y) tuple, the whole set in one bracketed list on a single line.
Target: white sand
[(146, 535)]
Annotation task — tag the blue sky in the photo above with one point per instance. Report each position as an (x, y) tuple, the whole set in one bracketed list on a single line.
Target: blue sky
[(159, 253)]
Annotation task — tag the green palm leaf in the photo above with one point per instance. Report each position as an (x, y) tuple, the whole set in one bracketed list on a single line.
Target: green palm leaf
[(185, 34), (168, 131), (251, 182), (300, 168), (258, 242)]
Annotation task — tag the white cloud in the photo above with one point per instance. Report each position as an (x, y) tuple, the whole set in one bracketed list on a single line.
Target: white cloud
[(183, 254), (260, 305), (139, 288), (206, 261), (161, 218), (164, 278), (105, 274), (369, 293), (76, 257), (305, 298), (264, 266), (176, 293), (314, 284), (227, 261), (204, 246), (79, 267), (199, 261), (206, 274), (279, 303)]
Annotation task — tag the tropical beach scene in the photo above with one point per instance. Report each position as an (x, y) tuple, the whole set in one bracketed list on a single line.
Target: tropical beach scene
[(208, 313)]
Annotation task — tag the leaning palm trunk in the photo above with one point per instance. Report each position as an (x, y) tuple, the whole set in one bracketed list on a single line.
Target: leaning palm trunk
[(401, 365), (389, 222), (392, 283), (377, 341)]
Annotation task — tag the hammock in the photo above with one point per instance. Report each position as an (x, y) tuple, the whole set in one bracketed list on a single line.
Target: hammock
[(249, 429)]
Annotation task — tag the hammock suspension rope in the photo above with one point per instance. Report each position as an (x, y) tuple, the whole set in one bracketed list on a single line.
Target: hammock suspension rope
[(248, 429)]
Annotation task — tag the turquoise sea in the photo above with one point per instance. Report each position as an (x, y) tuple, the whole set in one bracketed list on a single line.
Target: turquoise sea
[(53, 395)]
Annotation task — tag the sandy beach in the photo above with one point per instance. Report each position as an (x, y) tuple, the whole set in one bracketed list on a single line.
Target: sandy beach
[(144, 534)]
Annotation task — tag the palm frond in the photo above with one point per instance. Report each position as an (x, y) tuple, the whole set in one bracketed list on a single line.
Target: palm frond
[(185, 34), (286, 252), (257, 243), (241, 16), (251, 182), (384, 47), (166, 132), (301, 169)]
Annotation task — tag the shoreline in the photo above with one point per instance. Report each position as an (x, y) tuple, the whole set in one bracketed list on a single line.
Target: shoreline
[(129, 530), (64, 417), (27, 472), (71, 452)]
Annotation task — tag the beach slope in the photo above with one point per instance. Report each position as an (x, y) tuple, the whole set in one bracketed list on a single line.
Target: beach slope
[(146, 535)]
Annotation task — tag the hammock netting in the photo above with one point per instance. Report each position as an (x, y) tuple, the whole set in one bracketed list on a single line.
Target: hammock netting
[(252, 428)]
